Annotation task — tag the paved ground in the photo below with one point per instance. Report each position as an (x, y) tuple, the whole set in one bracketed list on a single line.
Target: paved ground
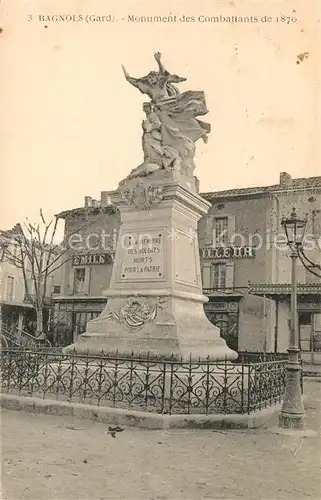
[(60, 458)]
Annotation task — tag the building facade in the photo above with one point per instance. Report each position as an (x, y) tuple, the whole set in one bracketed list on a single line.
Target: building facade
[(244, 261), (248, 280), (14, 312), (90, 235)]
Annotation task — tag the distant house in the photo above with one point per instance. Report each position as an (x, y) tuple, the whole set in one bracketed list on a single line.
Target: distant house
[(16, 309)]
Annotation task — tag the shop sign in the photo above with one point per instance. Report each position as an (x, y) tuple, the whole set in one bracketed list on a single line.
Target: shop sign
[(91, 259), (227, 253)]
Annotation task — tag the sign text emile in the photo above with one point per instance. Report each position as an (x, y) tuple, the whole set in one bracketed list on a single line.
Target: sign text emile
[(91, 259)]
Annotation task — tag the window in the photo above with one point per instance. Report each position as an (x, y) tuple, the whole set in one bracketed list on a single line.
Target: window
[(221, 230), (305, 330), (56, 289), (305, 318), (10, 288), (80, 320), (219, 276), (79, 280)]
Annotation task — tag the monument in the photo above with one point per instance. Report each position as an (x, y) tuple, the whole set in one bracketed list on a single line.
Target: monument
[(155, 300)]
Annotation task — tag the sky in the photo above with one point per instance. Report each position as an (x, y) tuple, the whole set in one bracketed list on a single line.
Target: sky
[(71, 124)]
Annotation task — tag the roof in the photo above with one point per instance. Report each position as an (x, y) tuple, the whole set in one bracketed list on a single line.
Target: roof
[(295, 184), (9, 236), (10, 233), (16, 304), (111, 209), (290, 185)]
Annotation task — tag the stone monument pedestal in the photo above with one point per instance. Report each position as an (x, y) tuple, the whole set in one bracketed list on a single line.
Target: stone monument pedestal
[(155, 300)]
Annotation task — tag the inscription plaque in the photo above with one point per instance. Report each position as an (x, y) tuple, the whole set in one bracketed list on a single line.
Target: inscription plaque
[(143, 256)]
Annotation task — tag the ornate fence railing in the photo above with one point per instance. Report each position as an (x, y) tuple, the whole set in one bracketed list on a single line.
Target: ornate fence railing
[(258, 356), (149, 384)]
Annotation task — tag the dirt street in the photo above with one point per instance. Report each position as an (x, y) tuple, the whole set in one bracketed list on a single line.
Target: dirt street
[(60, 458)]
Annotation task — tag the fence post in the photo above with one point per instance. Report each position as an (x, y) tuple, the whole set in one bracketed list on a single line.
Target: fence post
[(301, 375), (34, 368), (242, 388), (147, 382), (163, 368), (225, 386), (207, 393), (249, 391), (190, 384), (72, 370), (115, 381), (45, 377), (169, 385)]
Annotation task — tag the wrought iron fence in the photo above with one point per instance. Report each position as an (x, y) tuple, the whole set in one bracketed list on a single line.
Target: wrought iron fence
[(258, 356), (149, 384)]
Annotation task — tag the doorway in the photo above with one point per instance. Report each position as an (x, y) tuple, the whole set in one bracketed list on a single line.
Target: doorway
[(80, 320), (305, 331)]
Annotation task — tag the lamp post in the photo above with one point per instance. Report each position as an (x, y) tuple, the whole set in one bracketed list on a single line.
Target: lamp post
[(293, 413)]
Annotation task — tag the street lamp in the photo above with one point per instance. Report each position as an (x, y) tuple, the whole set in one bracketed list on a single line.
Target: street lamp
[(292, 413)]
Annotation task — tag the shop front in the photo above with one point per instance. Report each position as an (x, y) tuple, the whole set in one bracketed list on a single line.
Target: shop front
[(309, 316), (17, 316), (71, 315), (224, 314)]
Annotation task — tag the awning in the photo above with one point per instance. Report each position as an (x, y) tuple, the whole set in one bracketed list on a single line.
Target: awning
[(78, 298), (16, 304), (282, 290), (226, 293)]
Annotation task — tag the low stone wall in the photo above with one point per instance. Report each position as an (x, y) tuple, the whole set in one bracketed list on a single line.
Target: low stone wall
[(133, 418)]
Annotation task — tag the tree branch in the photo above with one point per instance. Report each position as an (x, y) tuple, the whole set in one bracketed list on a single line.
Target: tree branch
[(308, 268), (312, 264), (58, 267)]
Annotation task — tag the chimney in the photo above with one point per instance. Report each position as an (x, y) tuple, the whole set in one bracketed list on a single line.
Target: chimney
[(88, 201), (285, 178), (105, 198)]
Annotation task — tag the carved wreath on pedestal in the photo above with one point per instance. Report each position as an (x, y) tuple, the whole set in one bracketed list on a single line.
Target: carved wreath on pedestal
[(143, 197), (135, 312)]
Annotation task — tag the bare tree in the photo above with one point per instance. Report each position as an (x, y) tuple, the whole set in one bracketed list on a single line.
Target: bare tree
[(32, 248)]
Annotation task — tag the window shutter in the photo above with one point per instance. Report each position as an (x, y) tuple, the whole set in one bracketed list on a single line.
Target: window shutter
[(231, 228), (230, 275), (208, 226), (317, 323), (206, 275), (71, 281), (214, 235), (87, 281)]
